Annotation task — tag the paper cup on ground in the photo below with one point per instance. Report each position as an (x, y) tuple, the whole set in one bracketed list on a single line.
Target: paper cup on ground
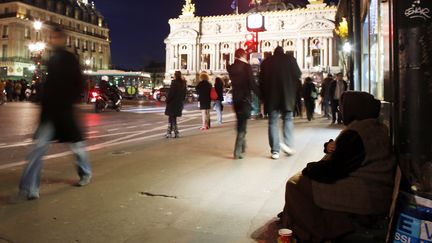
[(285, 235)]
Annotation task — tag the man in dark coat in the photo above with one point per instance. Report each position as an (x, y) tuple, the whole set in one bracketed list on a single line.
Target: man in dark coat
[(174, 103), (337, 87), (278, 82), (58, 120), (325, 95), (240, 73)]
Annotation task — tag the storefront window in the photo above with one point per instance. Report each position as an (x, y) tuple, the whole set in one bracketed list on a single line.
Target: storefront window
[(375, 43)]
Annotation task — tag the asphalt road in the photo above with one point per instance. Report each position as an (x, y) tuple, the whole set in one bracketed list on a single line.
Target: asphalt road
[(136, 122)]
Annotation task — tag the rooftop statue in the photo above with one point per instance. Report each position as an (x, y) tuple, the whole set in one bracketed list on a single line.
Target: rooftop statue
[(188, 9)]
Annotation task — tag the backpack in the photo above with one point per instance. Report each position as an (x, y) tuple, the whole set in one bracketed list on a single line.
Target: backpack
[(213, 94)]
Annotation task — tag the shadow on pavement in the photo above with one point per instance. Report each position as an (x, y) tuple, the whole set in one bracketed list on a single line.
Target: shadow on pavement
[(268, 233)]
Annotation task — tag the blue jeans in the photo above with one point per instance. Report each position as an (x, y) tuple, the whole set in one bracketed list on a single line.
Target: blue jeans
[(273, 130), (218, 108), (30, 179)]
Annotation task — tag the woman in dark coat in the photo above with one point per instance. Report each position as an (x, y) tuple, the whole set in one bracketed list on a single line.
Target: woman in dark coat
[(218, 103), (203, 89), (174, 103), (309, 96)]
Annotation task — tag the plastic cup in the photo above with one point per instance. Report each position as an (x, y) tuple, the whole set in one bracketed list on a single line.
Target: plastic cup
[(285, 235)]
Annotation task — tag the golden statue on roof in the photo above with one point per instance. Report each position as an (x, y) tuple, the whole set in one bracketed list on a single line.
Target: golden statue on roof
[(188, 9)]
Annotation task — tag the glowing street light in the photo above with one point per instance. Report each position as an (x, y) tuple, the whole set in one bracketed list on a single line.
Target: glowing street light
[(37, 25), (87, 62), (37, 47), (347, 47)]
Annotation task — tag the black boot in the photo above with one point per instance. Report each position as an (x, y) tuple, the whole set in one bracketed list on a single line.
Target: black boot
[(239, 145), (169, 130), (176, 132)]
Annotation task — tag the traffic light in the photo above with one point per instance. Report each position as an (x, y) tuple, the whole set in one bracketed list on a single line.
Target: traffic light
[(251, 43)]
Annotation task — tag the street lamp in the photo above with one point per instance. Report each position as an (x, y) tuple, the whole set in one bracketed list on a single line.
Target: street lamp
[(37, 25), (36, 49)]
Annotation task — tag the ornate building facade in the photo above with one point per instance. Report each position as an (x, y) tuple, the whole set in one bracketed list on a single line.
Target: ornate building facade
[(207, 43), (87, 33)]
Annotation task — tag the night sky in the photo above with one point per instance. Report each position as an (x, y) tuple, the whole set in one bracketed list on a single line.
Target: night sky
[(138, 27)]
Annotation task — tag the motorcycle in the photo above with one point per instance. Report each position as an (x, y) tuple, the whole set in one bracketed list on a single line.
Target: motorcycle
[(103, 102)]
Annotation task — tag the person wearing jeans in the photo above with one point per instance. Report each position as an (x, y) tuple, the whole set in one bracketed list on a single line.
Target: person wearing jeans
[(240, 73), (203, 89), (58, 120), (279, 84), (30, 180), (273, 130), (218, 103)]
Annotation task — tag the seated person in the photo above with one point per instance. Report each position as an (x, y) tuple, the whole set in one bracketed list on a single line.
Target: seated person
[(355, 177)]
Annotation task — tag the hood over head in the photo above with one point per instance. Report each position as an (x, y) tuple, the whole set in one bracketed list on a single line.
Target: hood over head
[(359, 106)]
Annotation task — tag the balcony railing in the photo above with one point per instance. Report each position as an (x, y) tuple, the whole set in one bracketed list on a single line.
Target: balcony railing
[(16, 59), (51, 23)]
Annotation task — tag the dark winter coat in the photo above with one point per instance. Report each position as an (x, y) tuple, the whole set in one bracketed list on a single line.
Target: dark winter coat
[(219, 90), (308, 88), (62, 89), (278, 81), (242, 82), (332, 88), (175, 98), (203, 89)]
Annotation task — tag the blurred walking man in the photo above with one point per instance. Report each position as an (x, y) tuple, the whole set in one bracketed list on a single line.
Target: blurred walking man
[(278, 83), (58, 120), (240, 73)]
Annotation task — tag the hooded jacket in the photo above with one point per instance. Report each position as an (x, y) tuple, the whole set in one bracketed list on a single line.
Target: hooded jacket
[(358, 176)]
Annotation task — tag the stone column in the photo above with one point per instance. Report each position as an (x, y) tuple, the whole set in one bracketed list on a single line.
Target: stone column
[(217, 56), (331, 52), (299, 51), (306, 52), (322, 48), (325, 50)]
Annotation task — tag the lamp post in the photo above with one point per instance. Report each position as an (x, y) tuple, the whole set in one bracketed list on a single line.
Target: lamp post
[(36, 49), (87, 63), (346, 49)]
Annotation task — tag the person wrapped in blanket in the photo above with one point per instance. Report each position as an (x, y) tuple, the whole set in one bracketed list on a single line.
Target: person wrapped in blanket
[(354, 178)]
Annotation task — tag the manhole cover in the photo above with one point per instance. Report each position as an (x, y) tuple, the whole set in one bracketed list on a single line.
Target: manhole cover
[(119, 153)]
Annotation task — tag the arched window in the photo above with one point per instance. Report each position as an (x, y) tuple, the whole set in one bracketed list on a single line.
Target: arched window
[(267, 44)]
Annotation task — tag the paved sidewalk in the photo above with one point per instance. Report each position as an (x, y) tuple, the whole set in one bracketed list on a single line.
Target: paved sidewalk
[(176, 190)]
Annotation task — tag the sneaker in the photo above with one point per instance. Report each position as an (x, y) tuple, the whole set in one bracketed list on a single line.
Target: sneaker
[(275, 155), (287, 149), (84, 181), (23, 196)]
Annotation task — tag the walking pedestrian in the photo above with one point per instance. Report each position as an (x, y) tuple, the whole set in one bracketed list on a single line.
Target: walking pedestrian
[(218, 103), (279, 84), (203, 89), (325, 95), (58, 121), (17, 90), (309, 95), (337, 87), (298, 110), (240, 73), (174, 103), (2, 90), (23, 94), (9, 90)]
